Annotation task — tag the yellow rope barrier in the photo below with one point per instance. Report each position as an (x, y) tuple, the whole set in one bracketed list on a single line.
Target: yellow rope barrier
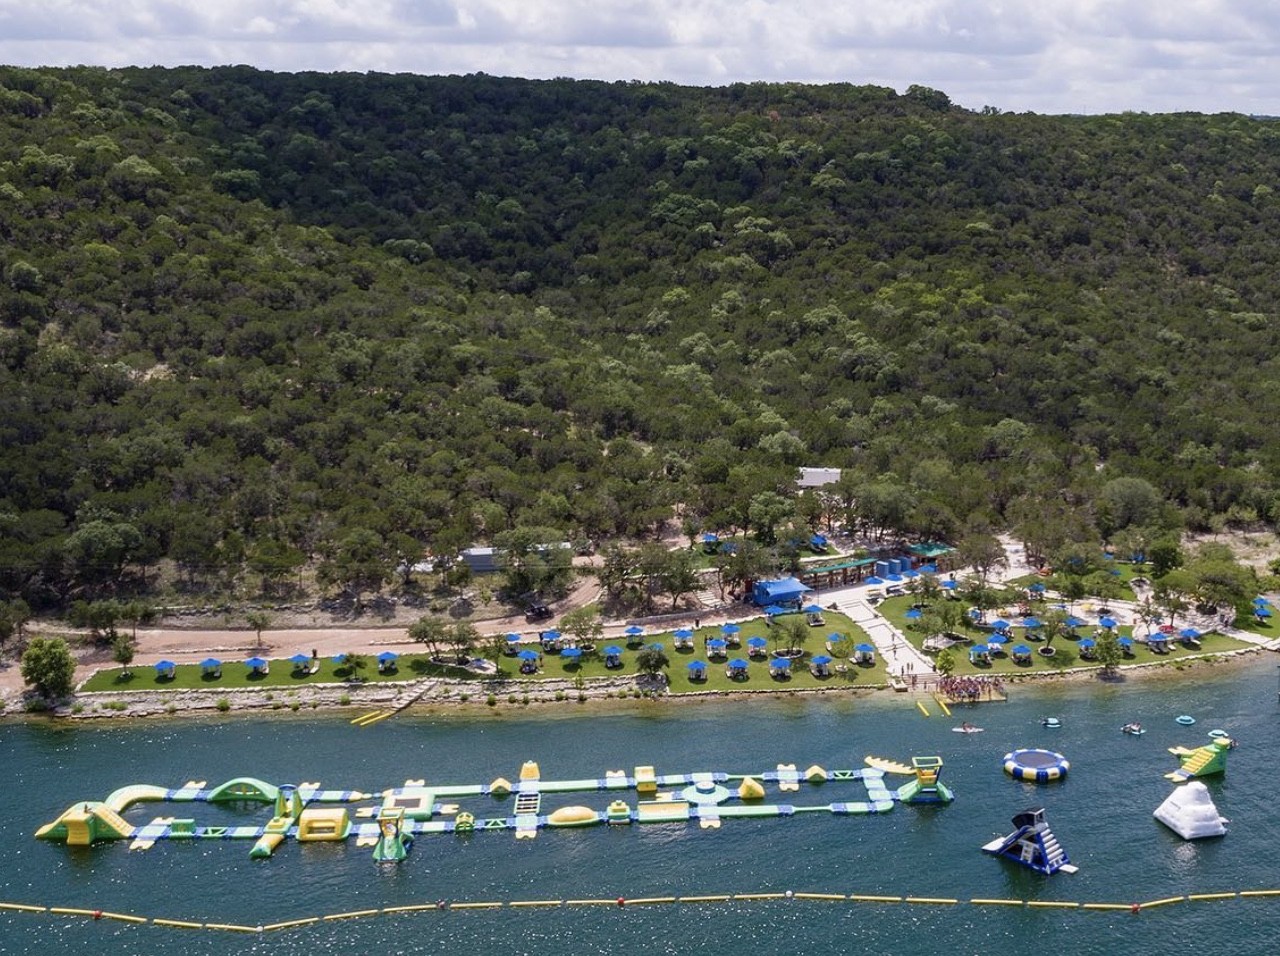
[(444, 906)]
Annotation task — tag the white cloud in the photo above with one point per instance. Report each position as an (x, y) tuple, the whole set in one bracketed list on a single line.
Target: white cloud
[(1049, 56)]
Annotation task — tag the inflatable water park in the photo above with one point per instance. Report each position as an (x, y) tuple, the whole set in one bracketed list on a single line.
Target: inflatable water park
[(388, 820)]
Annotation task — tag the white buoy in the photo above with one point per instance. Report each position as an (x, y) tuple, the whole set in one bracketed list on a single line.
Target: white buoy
[(1190, 813)]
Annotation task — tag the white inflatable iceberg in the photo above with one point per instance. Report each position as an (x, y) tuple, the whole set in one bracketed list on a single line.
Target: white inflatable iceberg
[(1190, 813)]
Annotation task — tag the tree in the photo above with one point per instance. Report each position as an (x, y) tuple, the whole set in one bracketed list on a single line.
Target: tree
[(679, 576), (533, 561), (766, 511), (259, 621), (48, 666), (946, 662), (1108, 651), (353, 664), (464, 637), (1165, 555), (122, 649), (651, 661), (1127, 502), (617, 569), (981, 551), (13, 617), (584, 624), (431, 631)]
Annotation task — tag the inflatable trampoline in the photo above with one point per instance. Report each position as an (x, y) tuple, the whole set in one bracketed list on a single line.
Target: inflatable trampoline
[(1035, 765)]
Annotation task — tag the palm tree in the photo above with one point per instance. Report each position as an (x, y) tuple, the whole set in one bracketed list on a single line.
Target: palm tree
[(353, 664)]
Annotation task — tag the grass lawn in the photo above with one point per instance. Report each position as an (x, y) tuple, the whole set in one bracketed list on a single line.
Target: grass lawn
[(410, 666), (1263, 628), (1067, 652)]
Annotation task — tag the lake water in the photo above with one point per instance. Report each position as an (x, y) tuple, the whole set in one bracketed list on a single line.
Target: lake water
[(1101, 814)]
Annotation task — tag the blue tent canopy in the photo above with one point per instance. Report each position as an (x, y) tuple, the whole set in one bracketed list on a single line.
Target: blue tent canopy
[(513, 638), (1073, 621), (928, 569), (1000, 624), (779, 591), (387, 656), (697, 665), (738, 664), (549, 636), (529, 655), (813, 609), (895, 578), (256, 662), (337, 658), (730, 628), (773, 610), (299, 659), (717, 642), (613, 651), (756, 642), (683, 633), (780, 663), (710, 538), (635, 630), (1030, 622), (1260, 601), (1260, 611), (873, 579), (162, 666), (865, 649), (1126, 642), (655, 647), (818, 541), (997, 639), (1038, 588), (210, 664), (571, 652), (911, 573), (822, 659), (1108, 622), (1021, 649), (1189, 632), (914, 614), (950, 585), (1088, 642)]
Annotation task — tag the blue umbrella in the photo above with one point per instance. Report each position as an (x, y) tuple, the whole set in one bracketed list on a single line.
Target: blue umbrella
[(1021, 649), (529, 654), (1000, 624), (337, 658), (1189, 632), (210, 664), (256, 663), (299, 659), (911, 573), (386, 657), (865, 649), (1126, 642), (757, 642), (1108, 622), (774, 610), (550, 635), (914, 614), (780, 663), (822, 659), (1073, 621), (998, 639), (1260, 611), (1088, 642), (655, 647), (514, 638), (729, 628), (612, 651), (697, 665), (873, 580), (1260, 601), (928, 569), (571, 652), (1038, 588), (738, 664), (710, 538), (717, 643), (950, 585), (162, 666), (684, 632), (1030, 622), (895, 578), (813, 609), (634, 630)]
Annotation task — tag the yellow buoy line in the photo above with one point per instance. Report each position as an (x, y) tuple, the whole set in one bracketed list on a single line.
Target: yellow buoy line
[(447, 905)]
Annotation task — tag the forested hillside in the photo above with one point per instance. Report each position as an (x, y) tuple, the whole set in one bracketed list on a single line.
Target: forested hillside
[(250, 320)]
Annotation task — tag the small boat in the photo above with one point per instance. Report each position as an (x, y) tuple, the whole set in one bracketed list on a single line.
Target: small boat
[(1133, 728), (967, 730), (1050, 722)]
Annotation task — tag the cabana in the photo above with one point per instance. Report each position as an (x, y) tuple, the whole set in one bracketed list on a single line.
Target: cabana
[(780, 667), (683, 638), (387, 662), (995, 644), (1190, 636), (1021, 654), (717, 648), (737, 669), (1088, 648), (211, 667), (820, 666), (550, 641), (781, 592), (1126, 646), (301, 663), (697, 670), (864, 654), (1159, 643), (612, 656), (513, 643), (813, 615), (730, 632), (818, 543), (571, 655), (258, 665), (979, 654), (757, 647), (529, 661), (711, 542), (166, 669)]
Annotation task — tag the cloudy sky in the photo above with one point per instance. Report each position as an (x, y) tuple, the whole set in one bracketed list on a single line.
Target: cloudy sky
[(1049, 56)]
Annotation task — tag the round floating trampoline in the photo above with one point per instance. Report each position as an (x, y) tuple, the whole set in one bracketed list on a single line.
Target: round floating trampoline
[(1186, 720), (1035, 765)]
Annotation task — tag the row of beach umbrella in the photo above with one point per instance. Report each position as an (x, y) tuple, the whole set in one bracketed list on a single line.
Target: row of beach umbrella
[(260, 663)]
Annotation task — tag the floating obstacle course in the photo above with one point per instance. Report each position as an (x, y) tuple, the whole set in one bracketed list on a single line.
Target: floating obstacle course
[(389, 820), (1201, 761)]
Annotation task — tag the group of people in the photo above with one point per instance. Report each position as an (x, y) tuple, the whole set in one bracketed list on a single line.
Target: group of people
[(969, 688)]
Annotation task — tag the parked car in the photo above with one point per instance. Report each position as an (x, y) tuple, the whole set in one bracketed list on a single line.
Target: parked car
[(537, 612)]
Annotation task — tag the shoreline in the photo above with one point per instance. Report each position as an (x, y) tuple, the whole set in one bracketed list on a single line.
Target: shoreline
[(503, 696)]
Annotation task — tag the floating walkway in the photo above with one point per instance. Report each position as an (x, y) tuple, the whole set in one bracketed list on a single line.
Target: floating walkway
[(390, 819), (787, 897)]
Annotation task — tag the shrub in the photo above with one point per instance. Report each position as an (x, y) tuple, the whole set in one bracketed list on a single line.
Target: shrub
[(491, 701), (223, 705), (559, 695), (344, 699)]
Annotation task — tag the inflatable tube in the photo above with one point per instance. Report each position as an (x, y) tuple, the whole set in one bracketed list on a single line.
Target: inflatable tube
[(1216, 734), (1053, 722), (1035, 765), (1186, 720)]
